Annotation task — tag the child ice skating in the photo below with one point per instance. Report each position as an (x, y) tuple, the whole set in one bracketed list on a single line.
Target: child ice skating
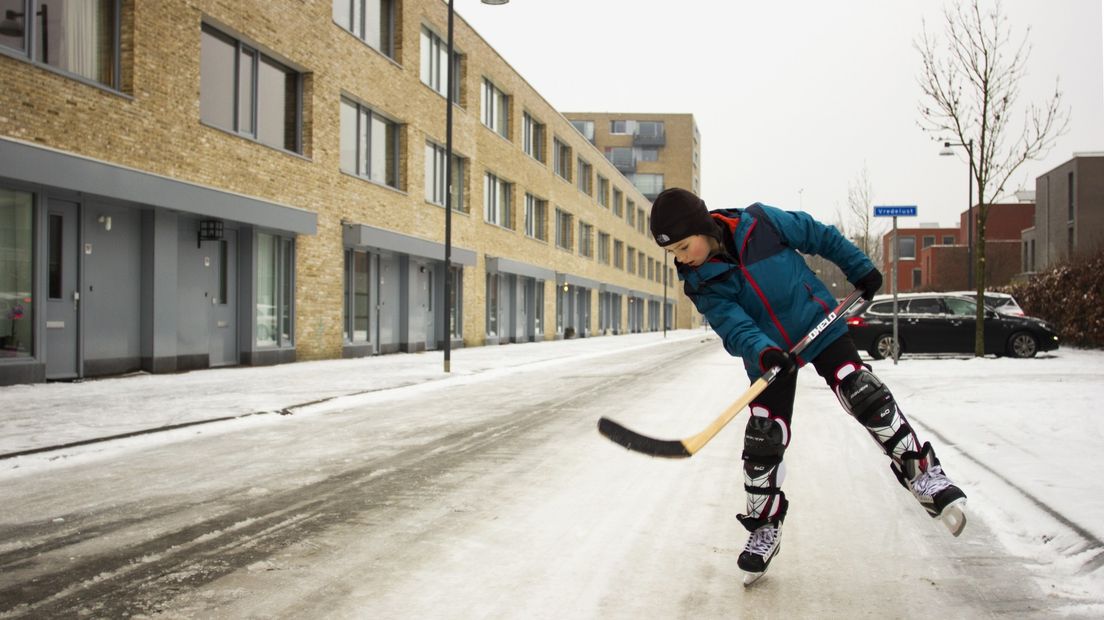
[(742, 270)]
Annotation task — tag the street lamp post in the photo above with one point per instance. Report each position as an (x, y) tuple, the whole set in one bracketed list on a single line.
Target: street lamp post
[(969, 208), (447, 306)]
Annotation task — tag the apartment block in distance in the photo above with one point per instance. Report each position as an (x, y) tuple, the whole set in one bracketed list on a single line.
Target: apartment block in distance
[(1069, 214), (195, 183), (654, 151)]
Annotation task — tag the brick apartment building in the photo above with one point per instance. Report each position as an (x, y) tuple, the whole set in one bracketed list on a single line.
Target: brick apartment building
[(654, 151), (202, 183), (935, 259)]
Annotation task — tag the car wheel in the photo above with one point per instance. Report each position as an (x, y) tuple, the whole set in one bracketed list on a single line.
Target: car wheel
[(882, 347), (1022, 344)]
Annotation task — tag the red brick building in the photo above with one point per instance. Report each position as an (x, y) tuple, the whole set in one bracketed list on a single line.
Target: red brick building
[(935, 259)]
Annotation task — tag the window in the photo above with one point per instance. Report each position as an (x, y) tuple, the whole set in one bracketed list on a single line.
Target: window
[(648, 154), (906, 247), (618, 254), (1069, 194), (948, 240), (456, 307), (603, 191), (586, 177), (586, 128), (246, 92), (630, 214), (586, 239), (563, 229), (435, 177), (621, 127), (928, 240), (640, 220), (630, 254), (618, 200), (434, 68), (369, 144), (925, 305), (651, 268), (532, 137), (371, 21), (493, 283), (640, 264), (75, 36), (604, 248), (536, 217), (917, 277), (496, 201), (649, 129), (561, 159), (17, 258), (357, 296), (649, 184), (958, 307), (496, 109), (275, 260)]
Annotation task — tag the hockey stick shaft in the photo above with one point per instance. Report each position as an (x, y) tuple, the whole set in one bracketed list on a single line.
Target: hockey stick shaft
[(676, 448)]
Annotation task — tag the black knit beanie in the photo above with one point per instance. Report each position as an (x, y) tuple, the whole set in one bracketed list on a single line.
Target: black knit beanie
[(678, 214)]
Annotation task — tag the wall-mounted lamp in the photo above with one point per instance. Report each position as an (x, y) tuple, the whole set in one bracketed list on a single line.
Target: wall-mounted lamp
[(565, 287), (106, 221), (209, 230)]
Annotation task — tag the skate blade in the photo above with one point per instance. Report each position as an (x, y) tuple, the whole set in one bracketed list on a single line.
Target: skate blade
[(953, 518), (750, 578)]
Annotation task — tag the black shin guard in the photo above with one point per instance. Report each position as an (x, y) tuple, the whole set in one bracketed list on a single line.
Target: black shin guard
[(765, 440), (866, 398)]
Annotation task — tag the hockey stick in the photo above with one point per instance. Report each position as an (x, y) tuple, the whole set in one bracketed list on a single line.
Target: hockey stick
[(683, 448)]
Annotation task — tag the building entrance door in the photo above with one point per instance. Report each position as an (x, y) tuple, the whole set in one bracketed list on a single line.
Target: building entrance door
[(222, 290), (62, 290)]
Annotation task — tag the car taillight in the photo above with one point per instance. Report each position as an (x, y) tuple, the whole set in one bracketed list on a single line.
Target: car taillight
[(856, 321)]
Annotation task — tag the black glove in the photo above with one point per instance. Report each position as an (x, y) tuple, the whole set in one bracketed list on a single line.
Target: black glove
[(869, 284), (774, 356)]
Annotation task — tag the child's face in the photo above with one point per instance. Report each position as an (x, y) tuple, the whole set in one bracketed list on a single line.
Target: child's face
[(693, 250)]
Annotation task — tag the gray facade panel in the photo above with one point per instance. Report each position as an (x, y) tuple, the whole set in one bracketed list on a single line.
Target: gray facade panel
[(505, 265), (363, 236), (48, 167)]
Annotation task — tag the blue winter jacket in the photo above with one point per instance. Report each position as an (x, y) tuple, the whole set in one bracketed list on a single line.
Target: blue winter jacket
[(768, 296)]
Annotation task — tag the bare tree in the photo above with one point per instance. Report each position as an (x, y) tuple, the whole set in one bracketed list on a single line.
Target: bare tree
[(971, 84), (859, 222)]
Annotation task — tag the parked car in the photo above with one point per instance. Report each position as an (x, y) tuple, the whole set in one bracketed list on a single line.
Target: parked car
[(1000, 302), (944, 323)]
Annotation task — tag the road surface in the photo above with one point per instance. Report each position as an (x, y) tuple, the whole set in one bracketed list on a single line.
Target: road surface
[(494, 497)]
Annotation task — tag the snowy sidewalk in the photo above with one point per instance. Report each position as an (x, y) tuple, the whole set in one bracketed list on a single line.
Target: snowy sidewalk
[(46, 416)]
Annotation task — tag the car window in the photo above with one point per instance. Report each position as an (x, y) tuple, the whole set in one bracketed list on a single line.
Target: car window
[(962, 307), (925, 305), (884, 307)]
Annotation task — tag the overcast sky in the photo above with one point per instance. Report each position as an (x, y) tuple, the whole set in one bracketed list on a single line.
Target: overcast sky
[(794, 98)]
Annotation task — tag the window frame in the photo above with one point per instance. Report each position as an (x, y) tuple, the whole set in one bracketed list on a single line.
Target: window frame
[(388, 47), (395, 145)]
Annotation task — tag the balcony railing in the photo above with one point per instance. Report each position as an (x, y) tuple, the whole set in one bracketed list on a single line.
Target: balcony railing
[(650, 138)]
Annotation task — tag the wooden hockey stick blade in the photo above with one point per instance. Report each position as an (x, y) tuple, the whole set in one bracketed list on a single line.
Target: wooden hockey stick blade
[(681, 448)]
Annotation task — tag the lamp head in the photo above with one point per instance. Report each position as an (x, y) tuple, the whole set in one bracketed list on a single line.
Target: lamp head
[(496, 2), (946, 150)]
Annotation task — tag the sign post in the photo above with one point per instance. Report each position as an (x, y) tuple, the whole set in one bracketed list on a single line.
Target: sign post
[(895, 211)]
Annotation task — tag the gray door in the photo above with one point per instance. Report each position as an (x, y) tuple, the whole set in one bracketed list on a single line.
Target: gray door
[(62, 290), (426, 281), (222, 291)]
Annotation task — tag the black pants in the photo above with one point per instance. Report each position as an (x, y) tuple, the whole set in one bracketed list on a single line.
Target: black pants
[(768, 433), (778, 398)]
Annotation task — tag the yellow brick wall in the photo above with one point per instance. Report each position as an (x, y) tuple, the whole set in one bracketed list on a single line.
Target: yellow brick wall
[(154, 125)]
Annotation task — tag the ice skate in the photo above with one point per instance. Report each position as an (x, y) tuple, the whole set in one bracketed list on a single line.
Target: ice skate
[(923, 475), (762, 545)]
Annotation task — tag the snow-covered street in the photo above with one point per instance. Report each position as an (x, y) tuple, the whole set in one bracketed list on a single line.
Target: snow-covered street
[(490, 494)]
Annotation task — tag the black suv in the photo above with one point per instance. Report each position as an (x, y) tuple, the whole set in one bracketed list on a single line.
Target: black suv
[(944, 323)]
